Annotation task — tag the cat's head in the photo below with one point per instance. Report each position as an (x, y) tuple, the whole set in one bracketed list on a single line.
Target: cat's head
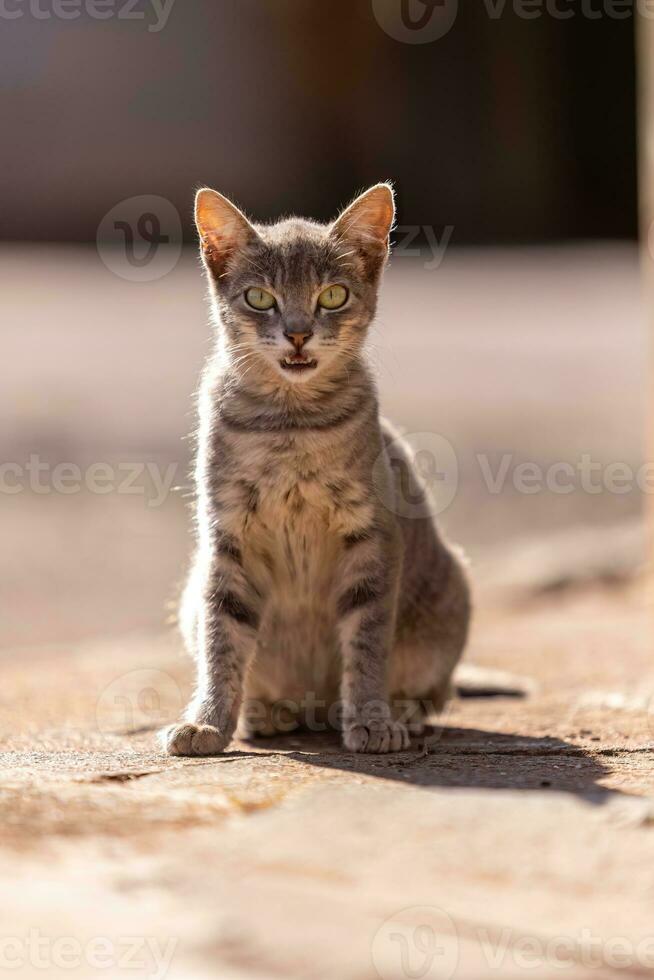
[(295, 298)]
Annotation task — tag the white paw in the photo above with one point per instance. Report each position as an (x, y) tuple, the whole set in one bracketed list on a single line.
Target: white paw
[(378, 736), (189, 739)]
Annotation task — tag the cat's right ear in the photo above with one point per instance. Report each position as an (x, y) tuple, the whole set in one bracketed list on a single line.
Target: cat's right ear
[(223, 229)]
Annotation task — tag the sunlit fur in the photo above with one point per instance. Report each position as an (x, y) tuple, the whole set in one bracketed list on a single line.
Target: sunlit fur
[(307, 582)]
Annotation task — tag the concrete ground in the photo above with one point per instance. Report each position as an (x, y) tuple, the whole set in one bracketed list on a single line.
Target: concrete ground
[(516, 840)]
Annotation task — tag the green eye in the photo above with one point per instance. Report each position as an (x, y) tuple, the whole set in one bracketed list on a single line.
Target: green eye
[(333, 297), (260, 299)]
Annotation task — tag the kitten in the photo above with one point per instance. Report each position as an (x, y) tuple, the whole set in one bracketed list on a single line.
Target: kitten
[(309, 589)]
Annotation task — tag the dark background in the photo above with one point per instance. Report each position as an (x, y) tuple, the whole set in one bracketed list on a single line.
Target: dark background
[(511, 130)]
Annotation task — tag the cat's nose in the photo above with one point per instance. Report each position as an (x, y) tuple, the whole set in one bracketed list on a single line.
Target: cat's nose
[(298, 332)]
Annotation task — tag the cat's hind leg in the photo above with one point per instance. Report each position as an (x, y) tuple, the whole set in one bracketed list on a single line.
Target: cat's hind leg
[(266, 719), (430, 639), (420, 685), (414, 713)]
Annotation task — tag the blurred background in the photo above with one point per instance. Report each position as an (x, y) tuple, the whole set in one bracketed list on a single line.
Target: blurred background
[(510, 324)]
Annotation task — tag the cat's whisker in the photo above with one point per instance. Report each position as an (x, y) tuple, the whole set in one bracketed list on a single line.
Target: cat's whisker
[(290, 525)]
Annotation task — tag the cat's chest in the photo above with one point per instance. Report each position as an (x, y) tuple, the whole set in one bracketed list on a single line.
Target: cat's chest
[(291, 489)]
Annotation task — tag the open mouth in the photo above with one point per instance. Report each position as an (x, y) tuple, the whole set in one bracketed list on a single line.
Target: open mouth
[(298, 362)]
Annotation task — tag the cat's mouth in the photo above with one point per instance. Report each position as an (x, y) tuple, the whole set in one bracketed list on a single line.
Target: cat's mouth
[(298, 362)]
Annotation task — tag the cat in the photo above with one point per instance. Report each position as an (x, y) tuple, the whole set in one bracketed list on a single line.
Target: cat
[(309, 589)]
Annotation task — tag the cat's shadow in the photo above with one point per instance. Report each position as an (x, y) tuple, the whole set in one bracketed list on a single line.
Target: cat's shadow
[(460, 757)]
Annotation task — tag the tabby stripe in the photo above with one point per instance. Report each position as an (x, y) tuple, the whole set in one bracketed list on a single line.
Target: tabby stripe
[(230, 605), (359, 537), (261, 423), (365, 591), (227, 547)]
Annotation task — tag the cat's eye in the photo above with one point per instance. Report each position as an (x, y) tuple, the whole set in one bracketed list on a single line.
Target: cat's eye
[(333, 297), (259, 299)]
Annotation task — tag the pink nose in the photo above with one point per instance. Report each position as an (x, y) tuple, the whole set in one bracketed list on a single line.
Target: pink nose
[(298, 337)]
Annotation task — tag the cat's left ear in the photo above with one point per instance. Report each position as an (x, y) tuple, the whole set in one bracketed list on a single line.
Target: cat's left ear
[(367, 224), (223, 229)]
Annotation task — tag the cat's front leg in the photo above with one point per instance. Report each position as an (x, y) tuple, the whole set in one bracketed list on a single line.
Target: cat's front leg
[(366, 608), (226, 637)]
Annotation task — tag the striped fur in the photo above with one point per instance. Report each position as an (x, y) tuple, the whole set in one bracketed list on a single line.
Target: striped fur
[(310, 600)]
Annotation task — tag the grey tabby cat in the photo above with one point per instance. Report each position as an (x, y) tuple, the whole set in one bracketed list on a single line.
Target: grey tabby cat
[(309, 590)]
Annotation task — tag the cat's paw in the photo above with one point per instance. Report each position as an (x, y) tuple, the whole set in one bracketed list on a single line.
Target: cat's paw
[(189, 739), (378, 736)]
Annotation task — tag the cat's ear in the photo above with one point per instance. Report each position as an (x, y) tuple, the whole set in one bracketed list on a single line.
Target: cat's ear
[(222, 228), (367, 224)]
